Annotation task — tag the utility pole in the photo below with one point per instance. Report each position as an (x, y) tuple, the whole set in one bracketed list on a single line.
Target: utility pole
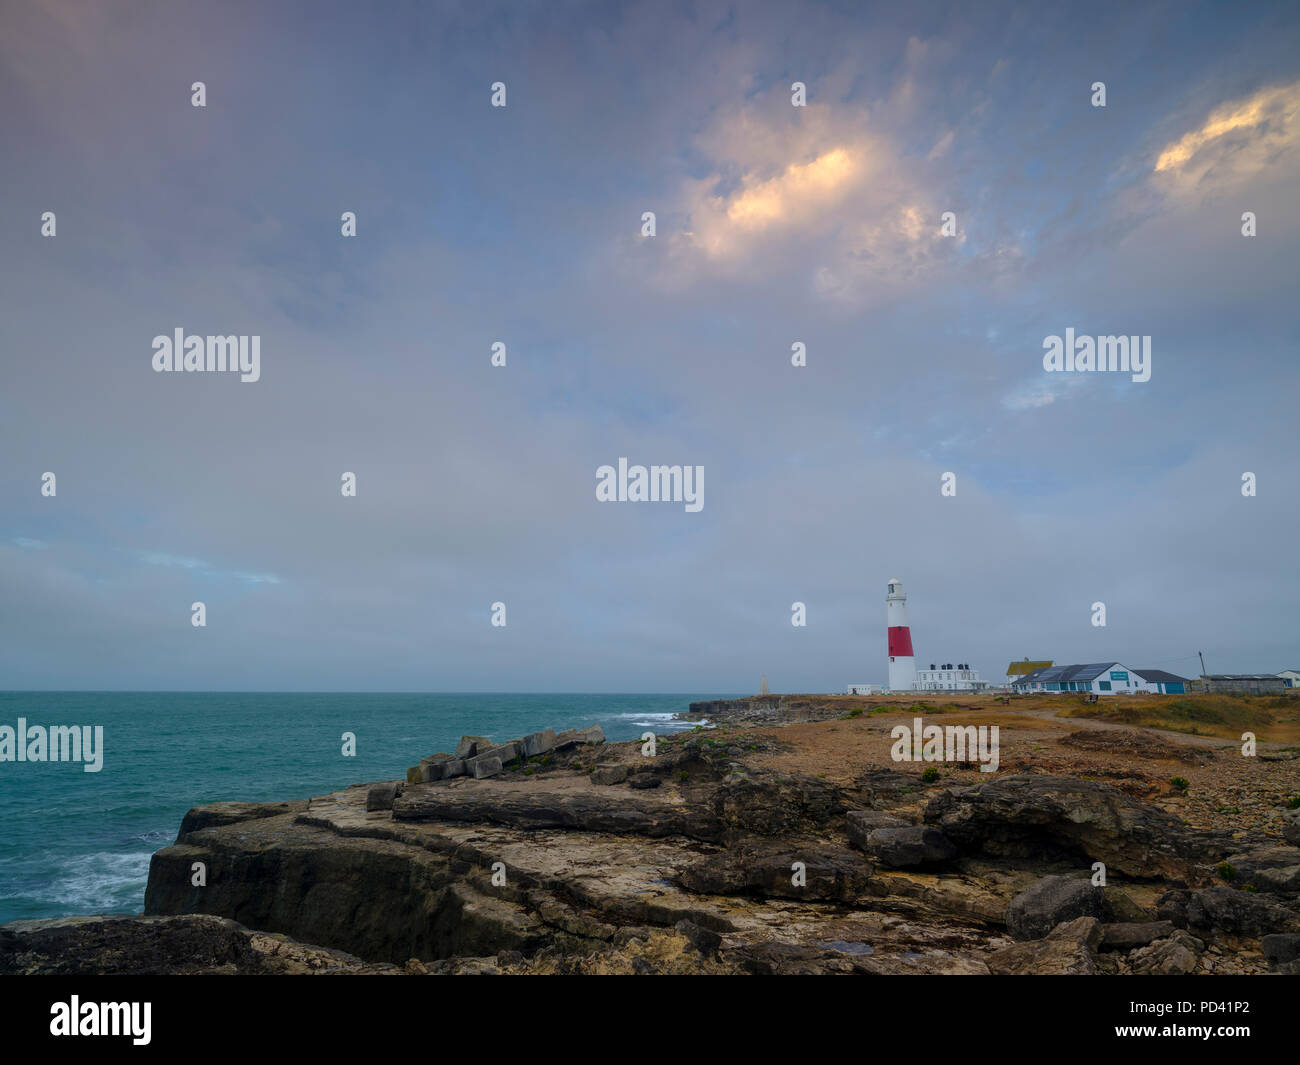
[(1205, 677)]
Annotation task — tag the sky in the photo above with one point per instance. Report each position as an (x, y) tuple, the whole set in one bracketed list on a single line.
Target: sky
[(775, 224)]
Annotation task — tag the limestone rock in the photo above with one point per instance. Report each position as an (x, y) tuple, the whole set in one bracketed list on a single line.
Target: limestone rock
[(1173, 956), (539, 743), (1227, 910), (469, 746), (1291, 827), (609, 774), (1068, 950), (1281, 947), (1130, 936), (909, 847), (1051, 901), (702, 939), (1272, 869), (517, 806), (231, 813), (861, 823), (381, 796), (574, 736), (1034, 816), (483, 765), (164, 946), (767, 869)]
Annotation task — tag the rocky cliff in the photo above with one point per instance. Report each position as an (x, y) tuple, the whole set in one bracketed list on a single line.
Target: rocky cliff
[(712, 855)]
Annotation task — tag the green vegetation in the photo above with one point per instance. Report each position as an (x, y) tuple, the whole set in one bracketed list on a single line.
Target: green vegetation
[(1179, 782), (1226, 872), (1293, 803), (930, 775)]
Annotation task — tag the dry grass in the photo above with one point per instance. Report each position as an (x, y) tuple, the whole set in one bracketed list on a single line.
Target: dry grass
[(1271, 718)]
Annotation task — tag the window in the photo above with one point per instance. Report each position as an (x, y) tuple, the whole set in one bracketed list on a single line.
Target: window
[(1104, 685)]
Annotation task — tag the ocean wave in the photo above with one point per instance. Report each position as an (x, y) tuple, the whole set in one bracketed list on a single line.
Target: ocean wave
[(644, 713), (96, 883)]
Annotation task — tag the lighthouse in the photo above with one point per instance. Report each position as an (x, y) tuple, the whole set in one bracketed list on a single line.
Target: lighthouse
[(902, 666)]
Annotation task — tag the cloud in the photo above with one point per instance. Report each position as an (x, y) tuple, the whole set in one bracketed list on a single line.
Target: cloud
[(824, 193), (1237, 141), (1042, 391), (202, 569)]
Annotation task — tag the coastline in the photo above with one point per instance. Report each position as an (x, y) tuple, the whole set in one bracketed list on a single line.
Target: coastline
[(789, 846)]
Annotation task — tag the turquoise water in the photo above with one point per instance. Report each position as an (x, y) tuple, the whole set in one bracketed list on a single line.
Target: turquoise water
[(73, 842)]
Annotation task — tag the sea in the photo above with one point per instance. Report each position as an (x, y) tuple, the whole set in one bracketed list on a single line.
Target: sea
[(73, 842)]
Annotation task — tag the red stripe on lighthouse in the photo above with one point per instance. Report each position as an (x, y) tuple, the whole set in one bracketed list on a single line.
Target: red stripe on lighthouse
[(900, 641)]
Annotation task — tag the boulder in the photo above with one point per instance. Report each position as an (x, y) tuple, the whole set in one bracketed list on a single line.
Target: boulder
[(1051, 901), (433, 767), (1042, 816), (861, 823), (381, 796), (884, 787), (1173, 956), (1291, 827), (702, 939), (469, 746), (507, 752), (415, 774), (1227, 910), (1272, 869), (454, 768), (609, 774), (574, 736), (539, 743), (1068, 950), (767, 869), (643, 781), (1130, 936), (1281, 947), (483, 765), (909, 847)]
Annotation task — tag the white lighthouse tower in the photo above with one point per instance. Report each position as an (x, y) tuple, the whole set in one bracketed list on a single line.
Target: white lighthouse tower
[(902, 664)]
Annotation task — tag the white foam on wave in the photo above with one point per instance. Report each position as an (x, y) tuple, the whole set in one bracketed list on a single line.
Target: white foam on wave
[(95, 883)]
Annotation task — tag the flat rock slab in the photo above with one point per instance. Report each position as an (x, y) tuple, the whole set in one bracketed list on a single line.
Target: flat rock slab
[(581, 807), (230, 813)]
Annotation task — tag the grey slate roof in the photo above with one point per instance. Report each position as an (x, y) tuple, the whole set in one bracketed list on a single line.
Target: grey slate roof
[(1159, 676)]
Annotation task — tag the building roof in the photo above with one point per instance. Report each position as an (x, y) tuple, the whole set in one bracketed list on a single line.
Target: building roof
[(1088, 671), (1242, 676), (1159, 676), (1017, 668)]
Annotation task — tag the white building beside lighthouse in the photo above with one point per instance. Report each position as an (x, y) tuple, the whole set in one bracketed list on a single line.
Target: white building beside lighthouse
[(902, 663)]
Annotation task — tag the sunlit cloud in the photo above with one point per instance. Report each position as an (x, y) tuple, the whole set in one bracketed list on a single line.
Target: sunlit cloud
[(1238, 140)]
